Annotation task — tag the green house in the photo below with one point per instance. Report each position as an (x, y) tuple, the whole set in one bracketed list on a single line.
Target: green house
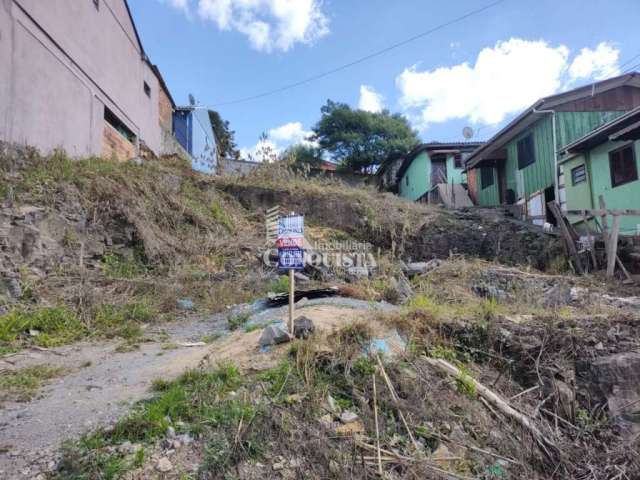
[(432, 164), (519, 165), (605, 163)]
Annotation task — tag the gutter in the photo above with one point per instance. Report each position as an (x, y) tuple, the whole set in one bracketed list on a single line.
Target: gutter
[(555, 152)]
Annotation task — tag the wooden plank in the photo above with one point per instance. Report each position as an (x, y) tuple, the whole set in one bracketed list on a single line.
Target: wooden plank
[(571, 245), (629, 279), (592, 242), (612, 253), (605, 228)]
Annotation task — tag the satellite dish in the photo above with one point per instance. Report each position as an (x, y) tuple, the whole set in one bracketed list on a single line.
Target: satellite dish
[(467, 132), (192, 100)]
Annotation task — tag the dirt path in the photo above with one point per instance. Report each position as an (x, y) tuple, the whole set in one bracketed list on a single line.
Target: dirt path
[(103, 384), (92, 394)]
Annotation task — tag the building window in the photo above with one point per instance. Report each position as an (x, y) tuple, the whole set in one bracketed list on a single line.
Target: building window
[(96, 3), (622, 164), (457, 160), (526, 152), (406, 180), (578, 175), (147, 89), (116, 123), (486, 177)]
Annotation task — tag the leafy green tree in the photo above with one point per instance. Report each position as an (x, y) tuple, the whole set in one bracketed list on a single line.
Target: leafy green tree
[(225, 137), (303, 156), (357, 139)]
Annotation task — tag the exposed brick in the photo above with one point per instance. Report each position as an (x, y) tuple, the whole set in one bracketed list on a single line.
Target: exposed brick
[(114, 145), (165, 111)]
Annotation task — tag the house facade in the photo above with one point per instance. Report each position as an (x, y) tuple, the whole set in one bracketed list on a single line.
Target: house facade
[(605, 164), (430, 165), (75, 76), (519, 165), (194, 132)]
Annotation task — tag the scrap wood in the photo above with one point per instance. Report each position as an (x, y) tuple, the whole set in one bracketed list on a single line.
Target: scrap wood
[(548, 447), (375, 413), (396, 401)]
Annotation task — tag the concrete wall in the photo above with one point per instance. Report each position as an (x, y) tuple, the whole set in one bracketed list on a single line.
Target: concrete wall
[(66, 60)]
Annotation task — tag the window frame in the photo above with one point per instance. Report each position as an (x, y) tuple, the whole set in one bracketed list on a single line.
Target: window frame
[(580, 180), (634, 164), (484, 185), (520, 152), (457, 160)]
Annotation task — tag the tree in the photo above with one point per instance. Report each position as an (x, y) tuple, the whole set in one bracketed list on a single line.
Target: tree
[(225, 137), (357, 139), (303, 156)]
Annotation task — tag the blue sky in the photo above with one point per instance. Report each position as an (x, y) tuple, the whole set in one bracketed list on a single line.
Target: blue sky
[(479, 72)]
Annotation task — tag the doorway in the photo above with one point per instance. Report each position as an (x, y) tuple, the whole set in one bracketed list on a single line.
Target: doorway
[(438, 170)]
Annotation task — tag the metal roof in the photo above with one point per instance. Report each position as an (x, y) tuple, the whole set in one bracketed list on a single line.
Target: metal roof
[(530, 116)]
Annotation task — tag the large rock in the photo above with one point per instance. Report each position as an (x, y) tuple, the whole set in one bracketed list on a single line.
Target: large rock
[(613, 380), (303, 327), (275, 334)]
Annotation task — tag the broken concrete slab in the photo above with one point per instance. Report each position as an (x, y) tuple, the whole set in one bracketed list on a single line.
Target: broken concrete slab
[(275, 334)]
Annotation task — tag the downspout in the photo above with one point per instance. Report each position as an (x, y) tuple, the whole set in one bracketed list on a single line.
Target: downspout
[(556, 190)]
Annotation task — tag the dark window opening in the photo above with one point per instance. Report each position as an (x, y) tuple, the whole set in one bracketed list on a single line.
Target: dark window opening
[(406, 180), (486, 177), (116, 123), (623, 167), (526, 152), (147, 89), (96, 3), (457, 160), (578, 175)]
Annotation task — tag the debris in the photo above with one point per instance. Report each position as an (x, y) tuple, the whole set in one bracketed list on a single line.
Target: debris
[(164, 465), (280, 299), (275, 334), (400, 289), (387, 346), (420, 268), (556, 296), (303, 327), (301, 277), (192, 344), (185, 304), (350, 428), (280, 464), (348, 417)]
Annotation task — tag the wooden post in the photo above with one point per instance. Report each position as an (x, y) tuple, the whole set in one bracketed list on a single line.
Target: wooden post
[(612, 252), (605, 228), (292, 279), (591, 240), (568, 238)]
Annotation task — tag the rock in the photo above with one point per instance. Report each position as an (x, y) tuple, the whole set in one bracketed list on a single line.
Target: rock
[(556, 296), (331, 404), (303, 327), (301, 277), (398, 291), (164, 465), (412, 269), (274, 335), (326, 420), (171, 432), (185, 304), (491, 292), (348, 417), (281, 464), (334, 467), (613, 380)]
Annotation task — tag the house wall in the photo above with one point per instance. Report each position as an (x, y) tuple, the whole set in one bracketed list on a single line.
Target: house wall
[(419, 174), (625, 196), (454, 175), (579, 196), (63, 61), (204, 148), (490, 196)]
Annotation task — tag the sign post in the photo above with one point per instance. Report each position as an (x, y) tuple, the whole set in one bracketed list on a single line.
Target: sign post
[(290, 245)]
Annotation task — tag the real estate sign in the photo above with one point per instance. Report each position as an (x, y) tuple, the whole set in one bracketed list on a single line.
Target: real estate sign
[(290, 242)]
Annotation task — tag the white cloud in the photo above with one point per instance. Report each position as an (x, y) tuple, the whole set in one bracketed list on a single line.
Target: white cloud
[(503, 80), (597, 64), (268, 24), (179, 4), (370, 100), (278, 139)]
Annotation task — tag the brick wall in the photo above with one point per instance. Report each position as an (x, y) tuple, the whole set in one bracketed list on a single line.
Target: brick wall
[(114, 145), (165, 111)]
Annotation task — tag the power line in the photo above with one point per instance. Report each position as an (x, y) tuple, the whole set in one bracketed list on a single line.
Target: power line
[(361, 59)]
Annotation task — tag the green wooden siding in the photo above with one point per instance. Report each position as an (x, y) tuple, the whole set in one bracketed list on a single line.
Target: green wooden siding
[(618, 198), (489, 196), (419, 175), (538, 175), (571, 126), (578, 196)]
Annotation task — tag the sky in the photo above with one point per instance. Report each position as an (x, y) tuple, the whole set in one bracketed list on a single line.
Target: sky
[(479, 72)]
